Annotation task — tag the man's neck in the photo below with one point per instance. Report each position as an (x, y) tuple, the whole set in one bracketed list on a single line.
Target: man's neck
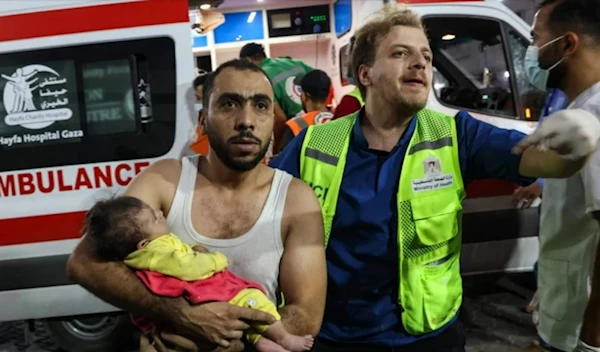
[(311, 106), (222, 176), (261, 61), (383, 126), (584, 76)]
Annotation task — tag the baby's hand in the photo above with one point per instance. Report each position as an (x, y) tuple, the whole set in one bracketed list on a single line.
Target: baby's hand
[(200, 248)]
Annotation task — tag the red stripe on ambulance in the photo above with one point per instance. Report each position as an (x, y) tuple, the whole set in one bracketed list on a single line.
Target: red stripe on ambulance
[(92, 18), (63, 226), (42, 228), (490, 188)]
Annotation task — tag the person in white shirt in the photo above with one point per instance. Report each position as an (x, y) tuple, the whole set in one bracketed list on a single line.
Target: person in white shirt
[(565, 54)]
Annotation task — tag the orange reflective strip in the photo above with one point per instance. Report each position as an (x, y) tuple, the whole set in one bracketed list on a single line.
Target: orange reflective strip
[(295, 125)]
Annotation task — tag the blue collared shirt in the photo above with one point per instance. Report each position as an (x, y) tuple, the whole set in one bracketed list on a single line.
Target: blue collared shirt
[(555, 101), (362, 255)]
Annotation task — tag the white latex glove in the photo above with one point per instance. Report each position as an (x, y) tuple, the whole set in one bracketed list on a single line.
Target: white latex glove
[(584, 347), (572, 133)]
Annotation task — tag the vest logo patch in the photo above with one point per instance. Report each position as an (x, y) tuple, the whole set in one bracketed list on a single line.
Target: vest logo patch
[(434, 178), (323, 117), (432, 166)]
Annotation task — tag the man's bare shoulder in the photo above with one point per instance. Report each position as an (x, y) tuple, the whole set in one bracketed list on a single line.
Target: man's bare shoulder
[(299, 190), (162, 170), (300, 200), (302, 216), (156, 185), (167, 167)]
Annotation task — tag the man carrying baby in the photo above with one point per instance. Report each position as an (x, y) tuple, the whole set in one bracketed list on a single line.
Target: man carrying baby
[(268, 224), (127, 229)]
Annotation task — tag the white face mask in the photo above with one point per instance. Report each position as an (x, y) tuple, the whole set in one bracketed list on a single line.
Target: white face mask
[(537, 75), (198, 107)]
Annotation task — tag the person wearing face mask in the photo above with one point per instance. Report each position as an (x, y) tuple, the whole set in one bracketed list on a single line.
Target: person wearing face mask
[(353, 101), (565, 55), (199, 143)]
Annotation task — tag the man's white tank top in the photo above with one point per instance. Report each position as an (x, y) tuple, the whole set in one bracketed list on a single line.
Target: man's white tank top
[(254, 255)]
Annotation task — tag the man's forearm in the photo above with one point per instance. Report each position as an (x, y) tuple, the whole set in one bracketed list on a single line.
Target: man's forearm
[(548, 164), (297, 321), (116, 284)]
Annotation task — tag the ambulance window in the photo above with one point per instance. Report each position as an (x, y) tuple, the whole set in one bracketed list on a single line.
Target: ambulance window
[(87, 104), (531, 99), (108, 96), (472, 70)]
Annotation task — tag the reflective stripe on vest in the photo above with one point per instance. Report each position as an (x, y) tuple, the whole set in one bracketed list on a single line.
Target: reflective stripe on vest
[(356, 94), (316, 117), (297, 124), (429, 208)]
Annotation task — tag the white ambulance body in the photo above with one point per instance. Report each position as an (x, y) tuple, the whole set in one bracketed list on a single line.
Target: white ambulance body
[(92, 92)]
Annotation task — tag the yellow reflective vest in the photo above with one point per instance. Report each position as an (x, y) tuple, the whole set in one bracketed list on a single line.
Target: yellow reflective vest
[(429, 203)]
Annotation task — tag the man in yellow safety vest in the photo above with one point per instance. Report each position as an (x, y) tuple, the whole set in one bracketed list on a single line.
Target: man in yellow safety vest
[(391, 179)]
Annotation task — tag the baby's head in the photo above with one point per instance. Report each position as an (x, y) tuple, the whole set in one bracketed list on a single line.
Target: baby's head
[(121, 225)]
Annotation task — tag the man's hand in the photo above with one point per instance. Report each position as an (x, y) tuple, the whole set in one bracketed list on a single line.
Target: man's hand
[(573, 134), (200, 248), (524, 196), (219, 322), (145, 345)]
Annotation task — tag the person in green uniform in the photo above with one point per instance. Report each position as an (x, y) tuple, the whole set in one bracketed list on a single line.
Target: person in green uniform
[(282, 71)]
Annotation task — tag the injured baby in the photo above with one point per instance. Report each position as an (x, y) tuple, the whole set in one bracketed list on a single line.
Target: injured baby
[(127, 229)]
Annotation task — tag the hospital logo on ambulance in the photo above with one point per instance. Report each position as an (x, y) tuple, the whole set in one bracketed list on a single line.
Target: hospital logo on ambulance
[(292, 90), (34, 97)]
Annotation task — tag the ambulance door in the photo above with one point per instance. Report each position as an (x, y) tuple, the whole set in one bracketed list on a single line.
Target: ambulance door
[(85, 105), (478, 67)]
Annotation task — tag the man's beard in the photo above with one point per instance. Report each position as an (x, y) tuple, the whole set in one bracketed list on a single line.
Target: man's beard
[(401, 104), (220, 148), (408, 107), (556, 76)]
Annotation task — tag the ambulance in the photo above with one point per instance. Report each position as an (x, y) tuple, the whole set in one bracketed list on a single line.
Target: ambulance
[(94, 91)]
